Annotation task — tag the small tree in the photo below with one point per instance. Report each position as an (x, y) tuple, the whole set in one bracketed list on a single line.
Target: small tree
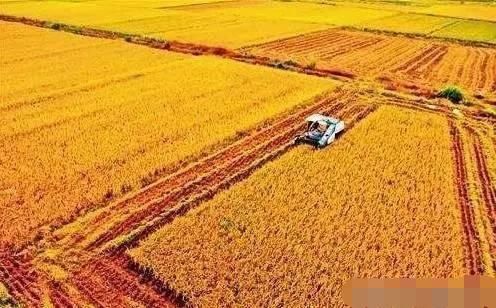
[(454, 94)]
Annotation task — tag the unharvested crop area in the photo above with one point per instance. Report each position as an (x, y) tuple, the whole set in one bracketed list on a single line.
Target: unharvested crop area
[(420, 61), (148, 154), (235, 24), (299, 227), (123, 116)]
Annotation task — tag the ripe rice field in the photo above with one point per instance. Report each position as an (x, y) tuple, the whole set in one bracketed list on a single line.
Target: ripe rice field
[(473, 11), (149, 153), (67, 117), (211, 29), (371, 55), (239, 23), (291, 234)]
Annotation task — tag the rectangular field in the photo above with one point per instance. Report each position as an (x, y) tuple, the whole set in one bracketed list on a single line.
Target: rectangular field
[(292, 11), (226, 30), (424, 62), (469, 10), (410, 23), (483, 31), (85, 120), (213, 29), (296, 230)]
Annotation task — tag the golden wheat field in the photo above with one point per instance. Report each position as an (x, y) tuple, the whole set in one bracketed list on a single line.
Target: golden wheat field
[(247, 153)]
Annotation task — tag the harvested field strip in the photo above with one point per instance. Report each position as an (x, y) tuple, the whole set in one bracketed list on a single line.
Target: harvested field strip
[(368, 60), (236, 168), (80, 142), (486, 194), (60, 299), (420, 57), (301, 41), (424, 60), (111, 283), (178, 180), (429, 63), (349, 48), (473, 255), (20, 279)]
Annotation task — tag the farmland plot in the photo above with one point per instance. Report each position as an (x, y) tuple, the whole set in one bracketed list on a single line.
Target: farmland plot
[(297, 229), (214, 29), (292, 11), (77, 13), (122, 116), (370, 55), (467, 10), (410, 23), (482, 31)]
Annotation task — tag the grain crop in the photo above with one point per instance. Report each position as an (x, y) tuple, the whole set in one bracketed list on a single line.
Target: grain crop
[(294, 232), (123, 115)]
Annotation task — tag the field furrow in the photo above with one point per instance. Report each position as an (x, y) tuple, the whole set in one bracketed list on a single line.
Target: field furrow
[(192, 173), (430, 62), (412, 63), (488, 189), (426, 62), (230, 167), (473, 257), (108, 277), (20, 279)]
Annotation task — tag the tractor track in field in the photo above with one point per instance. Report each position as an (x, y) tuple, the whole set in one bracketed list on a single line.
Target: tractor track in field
[(108, 277), (473, 254), (110, 281), (115, 272), (230, 166), (189, 177), (20, 278), (488, 191)]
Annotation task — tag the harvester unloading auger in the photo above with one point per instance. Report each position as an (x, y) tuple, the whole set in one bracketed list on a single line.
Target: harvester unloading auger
[(321, 130)]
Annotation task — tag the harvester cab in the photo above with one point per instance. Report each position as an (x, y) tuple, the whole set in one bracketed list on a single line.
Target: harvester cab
[(321, 130)]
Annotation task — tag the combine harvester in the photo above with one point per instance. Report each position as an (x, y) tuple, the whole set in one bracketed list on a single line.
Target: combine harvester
[(321, 130)]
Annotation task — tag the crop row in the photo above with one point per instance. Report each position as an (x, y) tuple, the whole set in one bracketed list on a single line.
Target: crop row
[(373, 55), (474, 158)]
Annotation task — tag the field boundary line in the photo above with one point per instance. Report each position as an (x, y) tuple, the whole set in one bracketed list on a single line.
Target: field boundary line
[(181, 6), (420, 36), (182, 47), (240, 54)]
